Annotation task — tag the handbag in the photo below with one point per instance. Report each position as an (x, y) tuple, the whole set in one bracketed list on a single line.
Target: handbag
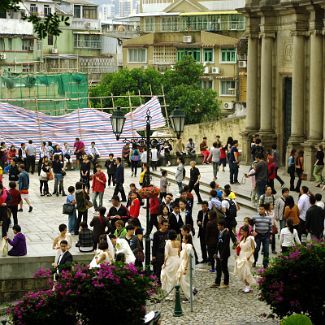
[(274, 230), (68, 208), (88, 204), (50, 176), (43, 174), (4, 248)]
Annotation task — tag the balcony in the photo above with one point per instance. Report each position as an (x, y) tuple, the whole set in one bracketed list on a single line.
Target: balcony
[(15, 27), (85, 24), (88, 44)]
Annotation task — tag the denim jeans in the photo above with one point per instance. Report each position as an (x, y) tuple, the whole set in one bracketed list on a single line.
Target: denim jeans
[(100, 196), (265, 240), (72, 219), (58, 182), (233, 172), (180, 185), (260, 188), (215, 166)]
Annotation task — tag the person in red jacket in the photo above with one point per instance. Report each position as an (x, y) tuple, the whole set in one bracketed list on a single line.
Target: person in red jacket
[(271, 172), (134, 206), (154, 209), (15, 199), (98, 187)]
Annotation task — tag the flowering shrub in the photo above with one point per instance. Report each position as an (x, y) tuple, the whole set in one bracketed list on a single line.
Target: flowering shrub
[(294, 282), (149, 191), (296, 319), (113, 294)]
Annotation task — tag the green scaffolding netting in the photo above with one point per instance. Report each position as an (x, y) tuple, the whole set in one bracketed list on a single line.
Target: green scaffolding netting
[(52, 94)]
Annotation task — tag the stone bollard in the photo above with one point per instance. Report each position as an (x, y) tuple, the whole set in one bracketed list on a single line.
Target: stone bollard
[(178, 307)]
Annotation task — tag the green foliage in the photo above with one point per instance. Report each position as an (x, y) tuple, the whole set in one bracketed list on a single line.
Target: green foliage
[(182, 86), (294, 282), (296, 319)]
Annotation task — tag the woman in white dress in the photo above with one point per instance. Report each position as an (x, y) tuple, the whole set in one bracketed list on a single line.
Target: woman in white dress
[(244, 262), (104, 254), (183, 273), (171, 264)]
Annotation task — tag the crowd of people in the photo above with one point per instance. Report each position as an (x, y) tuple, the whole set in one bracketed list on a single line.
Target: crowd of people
[(116, 233)]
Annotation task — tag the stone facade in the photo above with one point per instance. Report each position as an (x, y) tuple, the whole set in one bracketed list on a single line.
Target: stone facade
[(285, 92)]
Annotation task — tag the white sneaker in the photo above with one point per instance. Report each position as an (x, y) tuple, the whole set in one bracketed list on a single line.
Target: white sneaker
[(247, 289)]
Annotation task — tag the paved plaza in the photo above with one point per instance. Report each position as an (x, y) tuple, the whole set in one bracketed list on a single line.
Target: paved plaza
[(212, 306)]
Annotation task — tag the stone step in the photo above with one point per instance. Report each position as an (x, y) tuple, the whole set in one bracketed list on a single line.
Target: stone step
[(242, 198)]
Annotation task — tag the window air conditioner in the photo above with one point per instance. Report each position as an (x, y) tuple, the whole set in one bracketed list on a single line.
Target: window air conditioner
[(3, 56), (242, 64), (228, 105), (215, 70), (187, 39)]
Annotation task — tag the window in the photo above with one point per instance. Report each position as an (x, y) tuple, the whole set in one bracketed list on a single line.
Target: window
[(207, 84), (89, 13), (164, 55), (87, 41), (2, 44), (169, 24), (50, 39), (27, 44), (77, 11), (33, 9), (10, 44), (208, 55), (228, 56), (47, 10), (194, 53), (149, 24), (137, 55), (3, 14), (228, 88)]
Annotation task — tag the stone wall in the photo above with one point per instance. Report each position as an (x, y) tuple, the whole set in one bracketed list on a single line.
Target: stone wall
[(16, 274), (227, 127)]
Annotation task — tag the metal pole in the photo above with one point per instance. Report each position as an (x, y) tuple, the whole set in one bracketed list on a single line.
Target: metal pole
[(147, 256), (191, 282)]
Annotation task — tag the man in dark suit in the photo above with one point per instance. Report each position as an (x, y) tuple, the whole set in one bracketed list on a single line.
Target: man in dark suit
[(119, 179), (175, 221), (64, 260), (222, 255), (202, 220)]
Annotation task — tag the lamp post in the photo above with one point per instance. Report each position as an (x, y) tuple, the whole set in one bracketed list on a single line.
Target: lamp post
[(177, 119)]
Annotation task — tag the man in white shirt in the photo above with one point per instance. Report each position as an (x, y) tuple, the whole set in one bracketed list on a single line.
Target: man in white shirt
[(303, 206), (67, 154), (30, 157), (144, 157), (64, 259), (122, 246), (154, 158), (94, 154)]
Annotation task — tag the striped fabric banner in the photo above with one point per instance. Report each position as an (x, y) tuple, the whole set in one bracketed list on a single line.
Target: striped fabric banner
[(19, 125)]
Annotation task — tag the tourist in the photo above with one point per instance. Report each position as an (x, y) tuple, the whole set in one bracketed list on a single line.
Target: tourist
[(23, 182), (299, 169), (211, 235), (171, 264), (234, 163), (85, 239), (64, 235), (98, 187), (22, 154), (104, 256), (134, 209), (120, 230), (117, 212), (58, 170), (163, 184), (158, 247), (279, 207), (64, 259), (303, 206), (166, 150), (214, 202), (110, 165), (194, 182), (30, 157), (223, 157), (143, 178), (19, 247), (67, 155), (82, 200), (267, 197), (85, 172), (44, 177), (180, 173), (289, 236), (72, 217), (164, 214), (79, 150), (190, 148), (246, 222), (100, 225), (262, 231), (4, 213), (202, 221), (186, 263), (270, 212), (276, 160), (215, 158), (314, 220), (291, 211), (230, 208), (168, 201), (14, 201), (221, 255), (319, 201), (245, 259), (271, 173), (94, 155), (126, 153), (134, 244), (292, 168), (175, 221), (261, 173), (204, 150), (154, 206), (119, 179), (251, 175), (154, 158), (179, 148), (257, 148), (187, 212), (134, 158), (43, 152), (122, 247), (12, 153), (13, 171), (319, 166)]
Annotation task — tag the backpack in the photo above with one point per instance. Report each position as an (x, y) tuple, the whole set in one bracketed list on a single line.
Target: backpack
[(262, 199), (232, 211), (220, 214)]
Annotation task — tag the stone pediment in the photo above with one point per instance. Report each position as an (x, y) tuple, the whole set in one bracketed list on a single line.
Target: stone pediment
[(186, 6)]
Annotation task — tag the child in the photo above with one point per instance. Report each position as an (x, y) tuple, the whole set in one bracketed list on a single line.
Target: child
[(247, 222), (134, 206), (222, 255), (163, 184), (72, 217), (120, 230)]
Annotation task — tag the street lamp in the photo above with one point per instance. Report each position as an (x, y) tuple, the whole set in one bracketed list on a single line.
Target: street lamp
[(177, 119)]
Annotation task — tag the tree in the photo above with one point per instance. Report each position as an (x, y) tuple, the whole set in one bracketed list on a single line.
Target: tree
[(42, 26)]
